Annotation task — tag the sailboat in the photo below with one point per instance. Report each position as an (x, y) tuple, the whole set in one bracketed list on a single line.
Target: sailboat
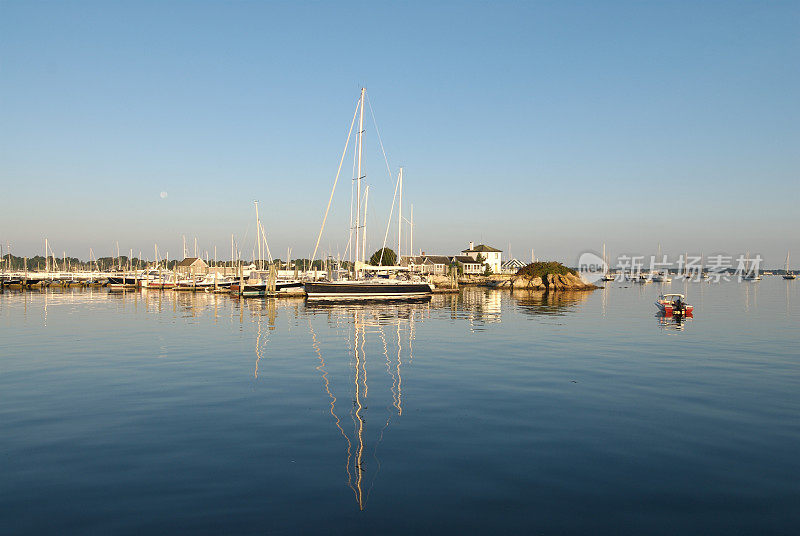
[(751, 272), (787, 274), (362, 286), (262, 281), (661, 276), (607, 275)]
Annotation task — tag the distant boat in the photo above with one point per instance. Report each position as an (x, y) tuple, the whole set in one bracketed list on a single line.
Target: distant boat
[(607, 276), (787, 274), (751, 273), (662, 277)]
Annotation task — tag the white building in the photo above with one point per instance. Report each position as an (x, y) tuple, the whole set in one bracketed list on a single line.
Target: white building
[(468, 264), (512, 265), (490, 255)]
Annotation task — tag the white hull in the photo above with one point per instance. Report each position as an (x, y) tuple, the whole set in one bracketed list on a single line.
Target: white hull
[(372, 296)]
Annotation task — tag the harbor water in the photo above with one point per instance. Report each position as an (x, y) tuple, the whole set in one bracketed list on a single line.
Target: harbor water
[(485, 411)]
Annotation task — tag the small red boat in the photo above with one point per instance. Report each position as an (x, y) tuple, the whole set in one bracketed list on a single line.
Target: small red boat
[(674, 304)]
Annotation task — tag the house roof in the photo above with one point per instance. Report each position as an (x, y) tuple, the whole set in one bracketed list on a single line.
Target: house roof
[(188, 261), (411, 259), (465, 259), (515, 263), (437, 259), (482, 248)]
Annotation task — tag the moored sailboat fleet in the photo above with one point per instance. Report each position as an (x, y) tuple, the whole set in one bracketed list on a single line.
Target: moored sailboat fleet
[(349, 278), (343, 280)]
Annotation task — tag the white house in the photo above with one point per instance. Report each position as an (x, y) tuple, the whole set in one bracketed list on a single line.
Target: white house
[(468, 264), (490, 255), (512, 265)]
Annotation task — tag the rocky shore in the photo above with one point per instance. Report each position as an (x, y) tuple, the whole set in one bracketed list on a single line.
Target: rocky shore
[(545, 282), (543, 276)]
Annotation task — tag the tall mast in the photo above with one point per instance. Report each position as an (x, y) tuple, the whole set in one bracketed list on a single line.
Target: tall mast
[(364, 241), (258, 238), (399, 217), (605, 264), (46, 257), (358, 173), (411, 243)]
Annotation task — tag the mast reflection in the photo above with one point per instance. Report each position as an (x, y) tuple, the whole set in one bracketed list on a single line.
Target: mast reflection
[(390, 327)]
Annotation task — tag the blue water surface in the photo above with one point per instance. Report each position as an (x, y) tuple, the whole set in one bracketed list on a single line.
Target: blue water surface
[(480, 412)]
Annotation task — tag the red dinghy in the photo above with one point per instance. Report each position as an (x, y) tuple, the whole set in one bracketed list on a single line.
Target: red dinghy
[(674, 304)]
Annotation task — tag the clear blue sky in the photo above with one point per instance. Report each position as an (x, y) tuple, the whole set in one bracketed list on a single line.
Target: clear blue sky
[(554, 125)]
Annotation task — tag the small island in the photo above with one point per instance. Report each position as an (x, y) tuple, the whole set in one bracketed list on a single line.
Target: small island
[(545, 276)]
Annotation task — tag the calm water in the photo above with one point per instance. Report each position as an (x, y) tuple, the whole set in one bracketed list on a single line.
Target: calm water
[(480, 412)]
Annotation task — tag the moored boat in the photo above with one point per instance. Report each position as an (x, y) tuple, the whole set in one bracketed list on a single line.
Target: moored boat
[(122, 282), (674, 304), (786, 273), (362, 287), (368, 289), (661, 277)]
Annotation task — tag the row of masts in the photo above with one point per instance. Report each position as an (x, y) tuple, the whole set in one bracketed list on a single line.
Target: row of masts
[(359, 226)]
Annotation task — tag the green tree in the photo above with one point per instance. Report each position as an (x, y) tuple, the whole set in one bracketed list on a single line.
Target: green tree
[(389, 258)]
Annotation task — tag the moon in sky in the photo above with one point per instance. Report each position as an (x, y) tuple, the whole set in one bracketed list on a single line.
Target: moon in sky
[(163, 195)]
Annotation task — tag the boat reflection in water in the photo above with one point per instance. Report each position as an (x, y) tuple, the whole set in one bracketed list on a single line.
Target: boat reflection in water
[(672, 322), (390, 329)]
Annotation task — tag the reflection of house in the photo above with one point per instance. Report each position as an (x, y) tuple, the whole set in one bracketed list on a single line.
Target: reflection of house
[(192, 266), (511, 266), (490, 255)]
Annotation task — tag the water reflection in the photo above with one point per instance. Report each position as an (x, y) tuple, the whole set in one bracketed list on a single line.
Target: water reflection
[(672, 322), (476, 305), (266, 308), (389, 328), (539, 302), (750, 297), (362, 352)]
